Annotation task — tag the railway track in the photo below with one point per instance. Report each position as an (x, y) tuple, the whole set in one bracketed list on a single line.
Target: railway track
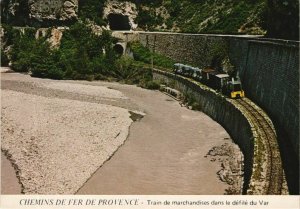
[(267, 162), (267, 175)]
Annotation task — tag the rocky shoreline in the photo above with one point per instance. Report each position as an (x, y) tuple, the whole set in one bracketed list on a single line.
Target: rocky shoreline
[(231, 172)]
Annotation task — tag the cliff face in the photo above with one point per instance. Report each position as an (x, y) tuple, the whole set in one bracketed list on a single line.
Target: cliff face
[(38, 12), (183, 16), (276, 18), (53, 9), (208, 16), (120, 15)]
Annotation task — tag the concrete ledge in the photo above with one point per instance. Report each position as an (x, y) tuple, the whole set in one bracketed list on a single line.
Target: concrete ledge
[(258, 162), (172, 92)]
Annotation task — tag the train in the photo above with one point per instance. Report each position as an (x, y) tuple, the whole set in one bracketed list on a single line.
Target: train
[(221, 82)]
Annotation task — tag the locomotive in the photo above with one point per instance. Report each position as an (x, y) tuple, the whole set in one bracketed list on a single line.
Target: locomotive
[(212, 78)]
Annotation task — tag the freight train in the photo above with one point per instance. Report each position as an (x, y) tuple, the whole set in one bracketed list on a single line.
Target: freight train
[(219, 81)]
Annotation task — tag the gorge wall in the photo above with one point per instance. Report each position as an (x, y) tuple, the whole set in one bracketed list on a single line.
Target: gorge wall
[(269, 70), (263, 174), (38, 13)]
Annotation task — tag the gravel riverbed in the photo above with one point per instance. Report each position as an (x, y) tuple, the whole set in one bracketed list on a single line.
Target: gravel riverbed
[(58, 144), (67, 137)]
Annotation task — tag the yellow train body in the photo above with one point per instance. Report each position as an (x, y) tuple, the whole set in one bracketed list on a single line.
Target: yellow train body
[(237, 94)]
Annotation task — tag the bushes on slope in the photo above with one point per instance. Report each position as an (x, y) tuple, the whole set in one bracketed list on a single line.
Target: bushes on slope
[(143, 54), (82, 55)]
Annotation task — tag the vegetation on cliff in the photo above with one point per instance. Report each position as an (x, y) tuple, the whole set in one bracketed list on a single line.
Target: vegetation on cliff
[(84, 55), (92, 10), (78, 56), (209, 16), (144, 55), (81, 55), (277, 19)]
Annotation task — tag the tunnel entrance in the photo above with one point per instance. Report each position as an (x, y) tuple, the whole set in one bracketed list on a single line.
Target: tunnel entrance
[(119, 49), (118, 22)]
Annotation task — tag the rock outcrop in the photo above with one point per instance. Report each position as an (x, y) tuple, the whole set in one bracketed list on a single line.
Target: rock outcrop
[(55, 35), (38, 12), (125, 9), (53, 9)]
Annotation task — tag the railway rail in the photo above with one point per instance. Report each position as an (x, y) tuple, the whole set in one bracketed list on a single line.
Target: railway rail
[(267, 140), (267, 175)]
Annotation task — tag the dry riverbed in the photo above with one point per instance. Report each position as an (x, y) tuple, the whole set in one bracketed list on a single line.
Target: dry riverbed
[(67, 137)]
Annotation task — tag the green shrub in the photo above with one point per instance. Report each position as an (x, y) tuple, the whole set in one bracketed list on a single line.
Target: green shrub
[(23, 50), (55, 73), (154, 85), (4, 59), (225, 16), (124, 69), (99, 77), (92, 9), (80, 55), (190, 100), (143, 54), (90, 77)]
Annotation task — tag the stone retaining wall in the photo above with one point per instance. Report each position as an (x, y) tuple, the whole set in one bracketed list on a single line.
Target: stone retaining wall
[(232, 118), (269, 70)]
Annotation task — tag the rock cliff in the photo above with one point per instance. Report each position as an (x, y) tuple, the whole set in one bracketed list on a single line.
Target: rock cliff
[(38, 12), (53, 9), (276, 18), (122, 14)]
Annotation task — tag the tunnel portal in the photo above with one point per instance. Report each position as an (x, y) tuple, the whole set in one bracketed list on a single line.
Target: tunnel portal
[(118, 22), (119, 49)]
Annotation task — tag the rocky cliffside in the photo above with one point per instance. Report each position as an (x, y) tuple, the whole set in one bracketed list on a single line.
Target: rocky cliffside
[(38, 12), (53, 9), (277, 19), (209, 16), (120, 15), (257, 61)]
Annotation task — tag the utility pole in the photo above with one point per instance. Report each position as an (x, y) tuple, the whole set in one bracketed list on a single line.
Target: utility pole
[(152, 60), (153, 51), (126, 43)]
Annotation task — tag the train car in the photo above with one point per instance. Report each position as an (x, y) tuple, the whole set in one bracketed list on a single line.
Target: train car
[(196, 73), (177, 68), (212, 78), (188, 71), (207, 72), (221, 82), (216, 80)]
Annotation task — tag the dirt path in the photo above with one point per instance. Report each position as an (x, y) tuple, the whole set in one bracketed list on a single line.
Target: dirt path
[(165, 151)]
